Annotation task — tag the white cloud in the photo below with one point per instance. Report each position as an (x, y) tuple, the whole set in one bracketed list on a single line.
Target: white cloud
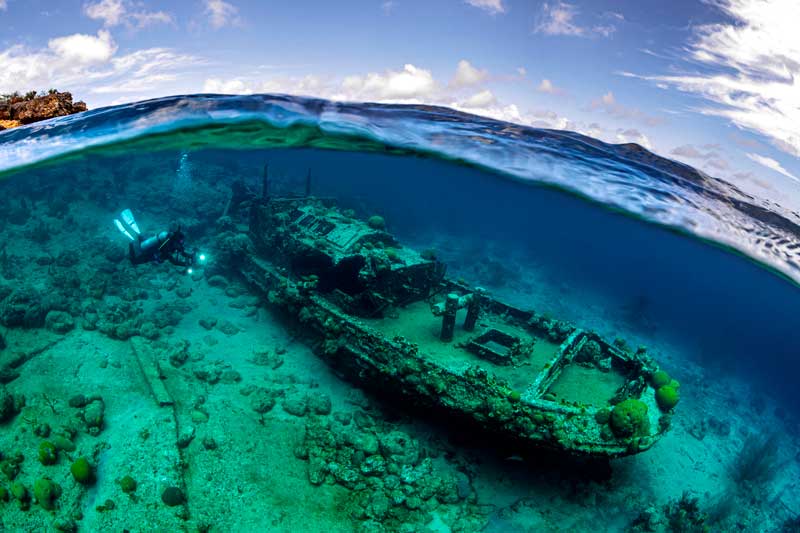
[(234, 86), (609, 104), (631, 135), (772, 165), (547, 86), (707, 157), (490, 6), (558, 18), (221, 13), (144, 19), (522, 71), (751, 73), (467, 75), (116, 12), (89, 65), (109, 11), (137, 84), (483, 98), (3, 5), (688, 151), (84, 49), (388, 6), (407, 84)]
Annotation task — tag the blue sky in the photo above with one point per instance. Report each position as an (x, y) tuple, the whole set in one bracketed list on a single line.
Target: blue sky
[(714, 83)]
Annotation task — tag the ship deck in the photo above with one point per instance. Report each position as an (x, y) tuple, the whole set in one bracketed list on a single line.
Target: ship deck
[(418, 325)]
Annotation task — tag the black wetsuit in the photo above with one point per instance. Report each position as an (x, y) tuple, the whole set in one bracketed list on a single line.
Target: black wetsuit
[(167, 245)]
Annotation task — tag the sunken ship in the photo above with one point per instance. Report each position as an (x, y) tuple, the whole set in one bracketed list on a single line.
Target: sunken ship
[(388, 316)]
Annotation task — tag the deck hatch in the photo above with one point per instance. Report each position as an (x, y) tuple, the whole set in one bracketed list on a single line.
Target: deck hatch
[(323, 227), (343, 236), (494, 346), (306, 221)]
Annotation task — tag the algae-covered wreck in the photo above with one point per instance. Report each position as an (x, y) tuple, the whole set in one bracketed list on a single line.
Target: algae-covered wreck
[(389, 316)]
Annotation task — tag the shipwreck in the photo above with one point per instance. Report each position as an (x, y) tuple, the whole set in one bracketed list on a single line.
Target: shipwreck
[(389, 316)]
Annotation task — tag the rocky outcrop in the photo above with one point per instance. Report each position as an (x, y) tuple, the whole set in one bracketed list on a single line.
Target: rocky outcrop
[(18, 111)]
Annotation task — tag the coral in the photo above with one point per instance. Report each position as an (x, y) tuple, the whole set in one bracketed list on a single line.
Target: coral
[(262, 400), (62, 443), (667, 397), (215, 371), (757, 461), (24, 307), (93, 416), (659, 379), (65, 524), (82, 471), (392, 255), (389, 481), (59, 322), (21, 494), (589, 352), (602, 416), (46, 492), (7, 405), (9, 469), (127, 484), (179, 353), (48, 454), (376, 222), (319, 403), (40, 233), (629, 418), (172, 496), (79, 400), (295, 404), (684, 515)]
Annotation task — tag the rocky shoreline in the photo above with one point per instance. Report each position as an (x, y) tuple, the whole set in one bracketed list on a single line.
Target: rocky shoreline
[(16, 110)]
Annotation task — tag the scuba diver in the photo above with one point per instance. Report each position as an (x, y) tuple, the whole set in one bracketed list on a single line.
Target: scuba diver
[(165, 245)]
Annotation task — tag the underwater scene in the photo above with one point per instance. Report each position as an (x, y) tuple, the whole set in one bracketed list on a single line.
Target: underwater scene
[(269, 313)]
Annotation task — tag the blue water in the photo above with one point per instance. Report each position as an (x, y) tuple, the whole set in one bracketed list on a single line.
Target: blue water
[(669, 262), (611, 237)]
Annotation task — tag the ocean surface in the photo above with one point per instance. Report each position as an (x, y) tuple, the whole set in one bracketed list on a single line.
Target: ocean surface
[(610, 237)]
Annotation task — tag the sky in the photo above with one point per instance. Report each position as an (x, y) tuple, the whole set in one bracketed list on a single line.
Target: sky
[(712, 83)]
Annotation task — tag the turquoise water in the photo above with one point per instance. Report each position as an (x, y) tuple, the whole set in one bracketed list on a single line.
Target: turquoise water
[(610, 237)]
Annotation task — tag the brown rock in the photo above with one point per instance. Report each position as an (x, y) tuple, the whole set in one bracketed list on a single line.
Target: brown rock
[(42, 108), (17, 111)]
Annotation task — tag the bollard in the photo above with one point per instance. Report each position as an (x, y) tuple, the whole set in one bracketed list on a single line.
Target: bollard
[(473, 310), (449, 317)]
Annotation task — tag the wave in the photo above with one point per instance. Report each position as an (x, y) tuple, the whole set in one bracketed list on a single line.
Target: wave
[(623, 177)]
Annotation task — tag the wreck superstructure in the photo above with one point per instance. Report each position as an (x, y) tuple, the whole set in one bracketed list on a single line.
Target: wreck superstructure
[(388, 315)]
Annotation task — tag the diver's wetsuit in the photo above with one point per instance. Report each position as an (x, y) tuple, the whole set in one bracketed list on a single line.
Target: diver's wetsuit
[(167, 245)]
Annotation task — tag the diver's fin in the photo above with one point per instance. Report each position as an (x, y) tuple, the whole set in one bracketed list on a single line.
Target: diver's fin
[(122, 229), (127, 217)]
